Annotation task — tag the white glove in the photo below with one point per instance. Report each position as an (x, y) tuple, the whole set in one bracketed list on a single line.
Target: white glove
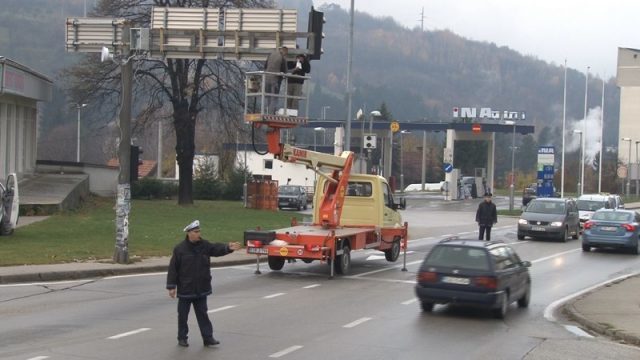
[(299, 65)]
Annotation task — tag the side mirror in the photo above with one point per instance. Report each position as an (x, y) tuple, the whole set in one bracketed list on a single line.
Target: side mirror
[(526, 263)]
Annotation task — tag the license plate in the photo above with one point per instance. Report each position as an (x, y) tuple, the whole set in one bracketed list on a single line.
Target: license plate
[(255, 250), (608, 228), (538, 228), (455, 280)]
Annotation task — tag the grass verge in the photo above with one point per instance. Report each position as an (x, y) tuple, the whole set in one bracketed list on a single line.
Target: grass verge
[(154, 228)]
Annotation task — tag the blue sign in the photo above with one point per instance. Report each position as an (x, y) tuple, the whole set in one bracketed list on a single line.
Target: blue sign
[(447, 167), (545, 181)]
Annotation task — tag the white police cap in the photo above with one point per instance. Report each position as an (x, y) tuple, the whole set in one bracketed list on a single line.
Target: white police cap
[(194, 225)]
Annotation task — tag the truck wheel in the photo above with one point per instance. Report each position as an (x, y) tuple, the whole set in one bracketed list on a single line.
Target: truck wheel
[(393, 253), (343, 262), (426, 306), (276, 262)]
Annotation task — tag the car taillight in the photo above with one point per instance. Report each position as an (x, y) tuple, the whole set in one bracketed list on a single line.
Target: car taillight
[(488, 282), (254, 243), (588, 225), (629, 227), (427, 276)]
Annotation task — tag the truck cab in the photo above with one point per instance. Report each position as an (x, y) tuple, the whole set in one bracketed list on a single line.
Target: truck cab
[(368, 201)]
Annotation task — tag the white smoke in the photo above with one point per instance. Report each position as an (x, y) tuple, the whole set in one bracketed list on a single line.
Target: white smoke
[(591, 129)]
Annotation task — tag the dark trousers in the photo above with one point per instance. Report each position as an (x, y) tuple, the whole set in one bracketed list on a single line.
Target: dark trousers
[(485, 229), (200, 308)]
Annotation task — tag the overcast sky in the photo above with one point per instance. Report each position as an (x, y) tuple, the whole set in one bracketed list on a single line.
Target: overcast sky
[(584, 32)]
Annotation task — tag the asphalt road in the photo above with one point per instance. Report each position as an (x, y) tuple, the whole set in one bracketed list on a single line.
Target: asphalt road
[(299, 313)]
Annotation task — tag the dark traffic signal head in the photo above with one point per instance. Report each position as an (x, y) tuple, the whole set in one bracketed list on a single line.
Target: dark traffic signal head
[(316, 21)]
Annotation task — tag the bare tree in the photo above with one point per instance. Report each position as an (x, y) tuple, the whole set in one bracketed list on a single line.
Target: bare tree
[(182, 87)]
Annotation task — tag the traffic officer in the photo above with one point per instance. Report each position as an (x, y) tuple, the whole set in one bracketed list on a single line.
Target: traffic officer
[(189, 278), (486, 216)]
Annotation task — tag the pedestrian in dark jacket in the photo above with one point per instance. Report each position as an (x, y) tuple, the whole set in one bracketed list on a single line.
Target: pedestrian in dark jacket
[(486, 216), (300, 67), (189, 277)]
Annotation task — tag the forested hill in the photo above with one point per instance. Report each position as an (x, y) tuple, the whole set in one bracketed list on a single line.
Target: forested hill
[(418, 75)]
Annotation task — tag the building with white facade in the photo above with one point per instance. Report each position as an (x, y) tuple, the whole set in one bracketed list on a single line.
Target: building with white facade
[(20, 90), (628, 79)]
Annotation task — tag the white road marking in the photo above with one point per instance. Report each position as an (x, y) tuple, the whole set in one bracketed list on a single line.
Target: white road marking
[(520, 242), (577, 331), (357, 322), (38, 358), (311, 286), (385, 269), (549, 310), (409, 302), (446, 235), (555, 255), (375, 257), (47, 283), (221, 308), (133, 275), (466, 233), (286, 351), (128, 333), (273, 295)]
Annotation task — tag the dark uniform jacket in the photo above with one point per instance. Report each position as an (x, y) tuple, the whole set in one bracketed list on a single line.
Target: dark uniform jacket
[(486, 214), (306, 68), (190, 267)]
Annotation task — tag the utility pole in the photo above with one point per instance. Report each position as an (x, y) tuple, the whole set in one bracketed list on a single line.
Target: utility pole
[(159, 165), (123, 201), (347, 130)]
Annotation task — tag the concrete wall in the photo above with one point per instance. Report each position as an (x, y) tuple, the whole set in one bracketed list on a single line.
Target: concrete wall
[(628, 79), (103, 180), (18, 128)]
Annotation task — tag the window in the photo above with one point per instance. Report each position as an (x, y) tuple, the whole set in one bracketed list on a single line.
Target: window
[(268, 164), (363, 189), (458, 256), (502, 258)]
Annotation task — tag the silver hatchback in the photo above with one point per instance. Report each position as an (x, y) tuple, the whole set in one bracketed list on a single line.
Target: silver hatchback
[(549, 218)]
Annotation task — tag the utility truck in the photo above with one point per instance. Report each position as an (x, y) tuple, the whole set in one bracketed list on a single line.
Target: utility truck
[(9, 205), (350, 211)]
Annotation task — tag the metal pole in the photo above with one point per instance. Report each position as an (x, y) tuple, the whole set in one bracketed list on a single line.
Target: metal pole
[(402, 161), (637, 171), (78, 137), (347, 133), (564, 121), (513, 156), (629, 170), (159, 166), (581, 162), (424, 158), (584, 130), (601, 140)]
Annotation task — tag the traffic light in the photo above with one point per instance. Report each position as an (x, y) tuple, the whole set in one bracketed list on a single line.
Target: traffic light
[(316, 21), (134, 161), (369, 141)]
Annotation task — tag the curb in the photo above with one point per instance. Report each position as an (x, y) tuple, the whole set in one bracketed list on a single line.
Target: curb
[(572, 313), (100, 273)]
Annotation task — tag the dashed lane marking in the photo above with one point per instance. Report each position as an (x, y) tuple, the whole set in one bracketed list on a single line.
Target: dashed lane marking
[(311, 286), (221, 308), (555, 255), (409, 302), (286, 351), (128, 333), (38, 358), (273, 295), (357, 322)]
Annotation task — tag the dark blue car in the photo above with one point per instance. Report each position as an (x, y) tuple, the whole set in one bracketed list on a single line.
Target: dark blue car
[(474, 273)]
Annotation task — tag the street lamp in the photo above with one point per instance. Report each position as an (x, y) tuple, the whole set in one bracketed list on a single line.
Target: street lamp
[(402, 158), (628, 167), (513, 157), (79, 106), (324, 112), (581, 187), (371, 115)]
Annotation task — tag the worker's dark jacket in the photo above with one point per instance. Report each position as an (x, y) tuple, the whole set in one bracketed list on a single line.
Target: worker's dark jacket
[(486, 214), (306, 68), (190, 267)]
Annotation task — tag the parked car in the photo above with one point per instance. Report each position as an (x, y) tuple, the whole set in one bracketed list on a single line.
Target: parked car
[(613, 228), (292, 196), (555, 218), (475, 273), (619, 203), (589, 203), (528, 194)]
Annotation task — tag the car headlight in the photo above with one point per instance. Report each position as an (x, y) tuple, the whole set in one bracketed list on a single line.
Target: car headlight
[(522, 221), (556, 223)]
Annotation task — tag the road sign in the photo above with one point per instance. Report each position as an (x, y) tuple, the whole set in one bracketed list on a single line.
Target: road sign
[(448, 155), (447, 167), (622, 172), (395, 126)]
